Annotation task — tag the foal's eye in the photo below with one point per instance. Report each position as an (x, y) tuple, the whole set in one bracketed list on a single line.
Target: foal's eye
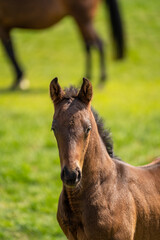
[(88, 130)]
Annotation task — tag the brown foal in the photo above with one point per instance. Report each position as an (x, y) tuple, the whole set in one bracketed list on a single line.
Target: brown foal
[(103, 198), (39, 14)]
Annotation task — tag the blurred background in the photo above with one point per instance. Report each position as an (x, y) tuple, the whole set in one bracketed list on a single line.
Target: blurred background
[(129, 103)]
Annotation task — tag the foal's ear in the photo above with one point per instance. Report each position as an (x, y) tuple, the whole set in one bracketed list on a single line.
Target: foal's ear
[(56, 92), (85, 93)]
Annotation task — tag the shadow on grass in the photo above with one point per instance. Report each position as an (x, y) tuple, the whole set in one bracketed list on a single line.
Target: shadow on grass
[(19, 91)]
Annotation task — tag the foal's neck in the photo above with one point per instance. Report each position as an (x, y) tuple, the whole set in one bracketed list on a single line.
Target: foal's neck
[(98, 165)]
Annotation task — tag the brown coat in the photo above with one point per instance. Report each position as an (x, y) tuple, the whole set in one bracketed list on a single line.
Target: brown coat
[(103, 198)]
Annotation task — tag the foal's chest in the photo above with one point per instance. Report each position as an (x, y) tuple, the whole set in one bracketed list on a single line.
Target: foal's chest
[(88, 226), (81, 234)]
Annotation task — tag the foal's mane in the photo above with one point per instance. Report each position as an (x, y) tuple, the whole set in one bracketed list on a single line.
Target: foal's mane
[(72, 92)]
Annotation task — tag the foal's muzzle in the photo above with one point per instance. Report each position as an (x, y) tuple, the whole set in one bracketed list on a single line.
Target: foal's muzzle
[(71, 177)]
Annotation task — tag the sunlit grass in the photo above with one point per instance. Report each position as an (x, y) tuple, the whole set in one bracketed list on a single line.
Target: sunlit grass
[(129, 104)]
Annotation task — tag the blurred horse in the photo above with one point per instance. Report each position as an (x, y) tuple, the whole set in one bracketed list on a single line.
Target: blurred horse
[(103, 198), (39, 14)]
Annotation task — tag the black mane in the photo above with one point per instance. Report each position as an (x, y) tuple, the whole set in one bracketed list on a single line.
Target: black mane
[(104, 133)]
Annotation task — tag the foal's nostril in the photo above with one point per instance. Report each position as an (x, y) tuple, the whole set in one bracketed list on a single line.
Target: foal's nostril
[(79, 175), (71, 177), (62, 175)]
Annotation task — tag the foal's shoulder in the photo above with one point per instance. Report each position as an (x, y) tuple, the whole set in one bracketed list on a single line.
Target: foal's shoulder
[(154, 163), (124, 167)]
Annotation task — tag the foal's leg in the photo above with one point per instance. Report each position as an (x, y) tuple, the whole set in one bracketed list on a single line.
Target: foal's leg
[(8, 46), (92, 40)]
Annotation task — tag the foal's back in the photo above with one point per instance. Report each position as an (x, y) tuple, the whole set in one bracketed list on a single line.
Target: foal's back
[(143, 187)]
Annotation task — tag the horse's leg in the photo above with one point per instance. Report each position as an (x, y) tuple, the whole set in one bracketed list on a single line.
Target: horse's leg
[(92, 40), (88, 61), (102, 59), (8, 46)]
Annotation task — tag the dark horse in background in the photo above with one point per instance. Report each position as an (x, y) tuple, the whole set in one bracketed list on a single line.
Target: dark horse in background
[(39, 14), (103, 198)]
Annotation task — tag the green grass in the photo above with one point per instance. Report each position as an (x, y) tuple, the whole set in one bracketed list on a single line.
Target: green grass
[(129, 104)]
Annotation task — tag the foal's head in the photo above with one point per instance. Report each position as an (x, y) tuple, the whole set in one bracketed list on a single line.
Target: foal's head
[(72, 125)]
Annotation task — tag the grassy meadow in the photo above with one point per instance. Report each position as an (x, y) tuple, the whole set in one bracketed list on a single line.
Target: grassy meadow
[(129, 103)]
